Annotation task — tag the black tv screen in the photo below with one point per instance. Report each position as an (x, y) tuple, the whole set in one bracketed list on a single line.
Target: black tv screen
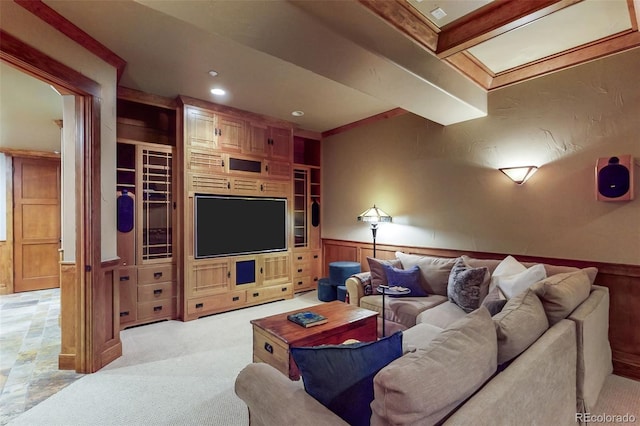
[(229, 225)]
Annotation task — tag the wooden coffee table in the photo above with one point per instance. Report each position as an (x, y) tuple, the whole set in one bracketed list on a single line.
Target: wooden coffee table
[(274, 335)]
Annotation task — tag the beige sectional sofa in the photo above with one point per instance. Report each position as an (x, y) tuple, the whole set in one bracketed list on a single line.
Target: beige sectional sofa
[(539, 360)]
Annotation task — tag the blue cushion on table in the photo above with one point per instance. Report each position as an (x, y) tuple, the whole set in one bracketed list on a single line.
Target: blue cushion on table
[(341, 376), (409, 278)]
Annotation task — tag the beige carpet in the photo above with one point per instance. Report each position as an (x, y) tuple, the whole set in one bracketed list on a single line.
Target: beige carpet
[(619, 397), (171, 373)]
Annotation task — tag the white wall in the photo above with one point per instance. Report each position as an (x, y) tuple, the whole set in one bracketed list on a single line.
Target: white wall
[(442, 186), (22, 24)]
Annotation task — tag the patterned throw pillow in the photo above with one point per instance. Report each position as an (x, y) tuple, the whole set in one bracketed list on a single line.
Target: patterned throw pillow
[(468, 286)]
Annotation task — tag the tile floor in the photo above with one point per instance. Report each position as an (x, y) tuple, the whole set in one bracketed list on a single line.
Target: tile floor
[(29, 348)]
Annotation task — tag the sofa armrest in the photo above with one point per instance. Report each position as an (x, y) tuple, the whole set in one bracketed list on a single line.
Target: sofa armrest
[(356, 287), (594, 351), (273, 399), (537, 388)]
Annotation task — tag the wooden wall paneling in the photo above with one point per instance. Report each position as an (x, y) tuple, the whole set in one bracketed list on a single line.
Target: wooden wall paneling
[(6, 247), (68, 314), (623, 282), (106, 304)]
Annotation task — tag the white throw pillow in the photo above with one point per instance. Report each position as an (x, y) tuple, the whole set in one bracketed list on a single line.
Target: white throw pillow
[(512, 277)]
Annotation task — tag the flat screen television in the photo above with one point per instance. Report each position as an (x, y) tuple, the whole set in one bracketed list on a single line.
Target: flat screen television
[(231, 225)]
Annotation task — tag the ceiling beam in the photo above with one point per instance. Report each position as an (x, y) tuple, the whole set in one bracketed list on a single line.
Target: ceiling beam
[(403, 17), (492, 20)]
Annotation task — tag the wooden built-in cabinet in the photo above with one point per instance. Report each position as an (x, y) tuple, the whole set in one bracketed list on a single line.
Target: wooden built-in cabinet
[(307, 253), (169, 152), (145, 172), (236, 153)]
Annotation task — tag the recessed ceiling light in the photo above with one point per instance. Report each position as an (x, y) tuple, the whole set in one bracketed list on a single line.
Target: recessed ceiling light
[(218, 92), (438, 13), (297, 113), (213, 73)]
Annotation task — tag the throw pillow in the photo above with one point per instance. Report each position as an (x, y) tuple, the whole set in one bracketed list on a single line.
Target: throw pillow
[(422, 387), (467, 286), (560, 294), (520, 323), (513, 278), (341, 376), (409, 278), (434, 271), (495, 301), (378, 275)]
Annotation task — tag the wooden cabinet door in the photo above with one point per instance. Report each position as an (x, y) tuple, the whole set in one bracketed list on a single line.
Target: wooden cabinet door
[(208, 278), (201, 129), (36, 223), (281, 142), (275, 268), (257, 143), (230, 133)]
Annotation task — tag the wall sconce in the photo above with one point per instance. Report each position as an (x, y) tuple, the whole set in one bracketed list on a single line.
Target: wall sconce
[(519, 174), (374, 215)]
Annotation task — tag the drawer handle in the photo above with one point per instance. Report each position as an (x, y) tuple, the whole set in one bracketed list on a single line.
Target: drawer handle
[(157, 291), (236, 298), (256, 294), (315, 256), (199, 305), (299, 257), (157, 275), (124, 314), (157, 308), (300, 282), (315, 278), (283, 289), (125, 278), (268, 348), (299, 270)]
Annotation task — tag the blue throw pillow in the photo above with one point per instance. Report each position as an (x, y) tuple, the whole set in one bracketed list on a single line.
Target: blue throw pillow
[(341, 376), (409, 278)]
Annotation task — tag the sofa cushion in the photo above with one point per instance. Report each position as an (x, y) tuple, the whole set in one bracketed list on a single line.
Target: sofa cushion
[(422, 387), (560, 294), (408, 278), (419, 336), (401, 310), (520, 323), (341, 376), (467, 286), (378, 275), (512, 277), (434, 271), (442, 315)]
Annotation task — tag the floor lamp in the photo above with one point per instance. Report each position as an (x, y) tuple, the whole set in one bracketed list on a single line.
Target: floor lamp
[(374, 215)]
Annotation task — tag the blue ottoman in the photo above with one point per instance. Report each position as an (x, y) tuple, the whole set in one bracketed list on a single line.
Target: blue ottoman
[(340, 271), (342, 292), (326, 291)]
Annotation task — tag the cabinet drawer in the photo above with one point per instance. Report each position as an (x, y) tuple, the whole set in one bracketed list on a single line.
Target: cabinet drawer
[(302, 283), (260, 294), (157, 309), (301, 257), (302, 269), (268, 349), (156, 274), (204, 305), (149, 292)]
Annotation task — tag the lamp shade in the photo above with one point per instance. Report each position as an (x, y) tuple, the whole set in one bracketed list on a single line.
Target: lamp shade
[(519, 174), (374, 215)]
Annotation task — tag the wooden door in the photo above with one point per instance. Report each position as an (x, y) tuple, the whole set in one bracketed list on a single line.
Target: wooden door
[(231, 133), (36, 223)]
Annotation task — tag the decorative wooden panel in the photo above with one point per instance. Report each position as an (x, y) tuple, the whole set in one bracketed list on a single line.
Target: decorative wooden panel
[(206, 183), (205, 161), (209, 278)]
